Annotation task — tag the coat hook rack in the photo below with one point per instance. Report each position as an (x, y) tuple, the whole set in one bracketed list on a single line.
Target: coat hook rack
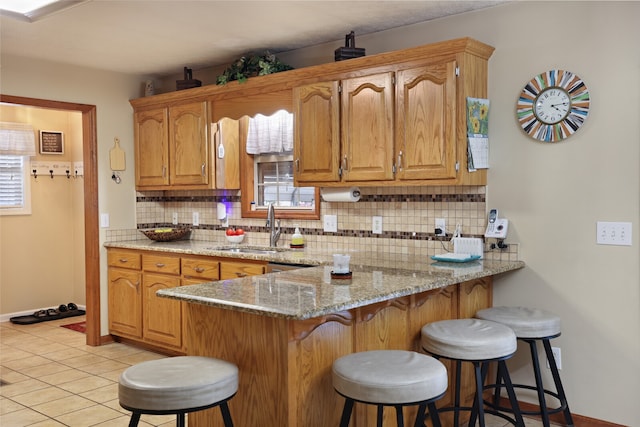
[(35, 174), (51, 173)]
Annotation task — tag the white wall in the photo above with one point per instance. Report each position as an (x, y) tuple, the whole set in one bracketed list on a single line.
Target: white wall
[(110, 92)]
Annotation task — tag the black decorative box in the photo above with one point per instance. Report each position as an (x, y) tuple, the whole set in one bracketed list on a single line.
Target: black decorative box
[(349, 50), (188, 81)]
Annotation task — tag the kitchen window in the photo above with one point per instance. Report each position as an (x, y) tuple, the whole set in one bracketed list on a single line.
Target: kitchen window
[(15, 190), (274, 184)]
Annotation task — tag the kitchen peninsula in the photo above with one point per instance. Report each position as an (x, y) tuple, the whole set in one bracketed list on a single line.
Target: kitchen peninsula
[(284, 330)]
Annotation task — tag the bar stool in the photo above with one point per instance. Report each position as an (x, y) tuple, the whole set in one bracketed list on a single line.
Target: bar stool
[(532, 325), (479, 342), (395, 378), (178, 385)]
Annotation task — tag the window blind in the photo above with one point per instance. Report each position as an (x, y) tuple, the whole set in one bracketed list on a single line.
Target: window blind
[(12, 194)]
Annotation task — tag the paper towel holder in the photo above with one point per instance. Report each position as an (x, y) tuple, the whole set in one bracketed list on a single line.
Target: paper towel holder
[(332, 194)]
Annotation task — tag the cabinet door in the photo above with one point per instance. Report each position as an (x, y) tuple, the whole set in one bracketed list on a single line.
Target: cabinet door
[(367, 128), (234, 270), (125, 302), (162, 316), (316, 150), (152, 147), (227, 153), (188, 144), (425, 122)]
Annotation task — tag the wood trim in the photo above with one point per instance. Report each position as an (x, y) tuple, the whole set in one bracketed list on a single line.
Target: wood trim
[(91, 213)]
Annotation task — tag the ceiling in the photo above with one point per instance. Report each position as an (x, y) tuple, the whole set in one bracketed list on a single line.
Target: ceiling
[(160, 37)]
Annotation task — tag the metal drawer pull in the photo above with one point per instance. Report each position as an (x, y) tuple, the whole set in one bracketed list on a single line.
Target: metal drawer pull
[(240, 274), (123, 260), (159, 265), (198, 269)]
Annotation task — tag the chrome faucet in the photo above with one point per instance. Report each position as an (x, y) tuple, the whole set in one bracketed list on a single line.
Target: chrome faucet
[(274, 234)]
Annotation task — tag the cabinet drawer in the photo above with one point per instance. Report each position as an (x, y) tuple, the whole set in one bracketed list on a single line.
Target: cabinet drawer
[(123, 259), (204, 268), (161, 264), (234, 270)]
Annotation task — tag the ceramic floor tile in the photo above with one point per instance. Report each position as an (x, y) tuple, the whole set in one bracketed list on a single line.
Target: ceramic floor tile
[(102, 394), (23, 417), (12, 353), (89, 416), (86, 384), (115, 405), (22, 387), (67, 353), (63, 406), (112, 375), (142, 356), (64, 377), (26, 362), (108, 366), (10, 376), (84, 360), (8, 405), (48, 423), (45, 369), (43, 395)]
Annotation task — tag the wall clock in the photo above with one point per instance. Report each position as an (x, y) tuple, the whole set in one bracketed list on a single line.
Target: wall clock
[(553, 105)]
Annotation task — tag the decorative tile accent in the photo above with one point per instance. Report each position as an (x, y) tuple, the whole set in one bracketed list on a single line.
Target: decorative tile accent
[(408, 213)]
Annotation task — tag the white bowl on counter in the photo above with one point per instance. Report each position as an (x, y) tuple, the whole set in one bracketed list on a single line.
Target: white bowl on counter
[(235, 239)]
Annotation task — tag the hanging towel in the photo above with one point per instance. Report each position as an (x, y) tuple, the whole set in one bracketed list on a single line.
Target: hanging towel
[(270, 134)]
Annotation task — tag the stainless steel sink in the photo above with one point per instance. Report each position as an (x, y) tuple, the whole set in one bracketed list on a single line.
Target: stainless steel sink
[(248, 250)]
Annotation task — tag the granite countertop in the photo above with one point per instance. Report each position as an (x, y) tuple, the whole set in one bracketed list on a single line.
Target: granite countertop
[(306, 293)]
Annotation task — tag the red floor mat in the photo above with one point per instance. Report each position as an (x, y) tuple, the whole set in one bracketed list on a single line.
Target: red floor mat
[(78, 327)]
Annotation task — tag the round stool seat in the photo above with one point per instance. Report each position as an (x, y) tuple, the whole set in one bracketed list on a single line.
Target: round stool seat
[(468, 339), (177, 383), (525, 322), (389, 376)]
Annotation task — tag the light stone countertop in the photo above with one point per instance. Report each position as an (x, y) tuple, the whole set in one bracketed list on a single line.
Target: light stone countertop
[(311, 292)]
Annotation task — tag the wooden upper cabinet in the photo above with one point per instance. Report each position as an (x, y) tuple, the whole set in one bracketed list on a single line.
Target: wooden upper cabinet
[(152, 147), (188, 144), (425, 122), (316, 150), (367, 128)]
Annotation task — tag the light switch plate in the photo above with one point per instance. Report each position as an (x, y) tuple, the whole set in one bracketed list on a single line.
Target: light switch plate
[(613, 233), (376, 226), (104, 220), (330, 223)]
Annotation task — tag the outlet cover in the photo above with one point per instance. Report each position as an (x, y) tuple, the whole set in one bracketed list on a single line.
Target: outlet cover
[(330, 223), (376, 226), (174, 218), (441, 223), (196, 218)]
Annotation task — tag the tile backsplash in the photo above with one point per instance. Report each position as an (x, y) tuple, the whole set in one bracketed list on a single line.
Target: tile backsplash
[(408, 219)]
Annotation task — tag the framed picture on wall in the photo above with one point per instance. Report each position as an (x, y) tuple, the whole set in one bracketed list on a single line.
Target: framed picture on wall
[(51, 142)]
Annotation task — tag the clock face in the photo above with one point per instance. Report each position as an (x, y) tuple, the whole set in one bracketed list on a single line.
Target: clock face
[(553, 105)]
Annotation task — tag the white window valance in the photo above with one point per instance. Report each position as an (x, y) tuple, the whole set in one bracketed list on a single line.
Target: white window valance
[(270, 134), (17, 139)]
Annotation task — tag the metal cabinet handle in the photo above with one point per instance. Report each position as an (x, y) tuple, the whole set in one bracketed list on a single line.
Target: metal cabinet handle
[(240, 274), (198, 269), (159, 265), (123, 260), (202, 167), (164, 171), (399, 163), (298, 165), (344, 163)]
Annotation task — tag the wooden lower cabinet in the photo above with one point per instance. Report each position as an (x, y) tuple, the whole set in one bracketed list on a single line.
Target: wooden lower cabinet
[(136, 313), (285, 365)]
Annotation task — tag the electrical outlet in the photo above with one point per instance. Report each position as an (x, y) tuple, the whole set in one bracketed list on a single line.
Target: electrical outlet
[(330, 223), (196, 218), (441, 224), (557, 355), (174, 218), (376, 226)]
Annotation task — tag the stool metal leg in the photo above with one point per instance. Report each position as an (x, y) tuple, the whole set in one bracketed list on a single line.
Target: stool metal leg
[(346, 412), (226, 415), (135, 419), (399, 416), (180, 419), (504, 373), (544, 411), (456, 401), (558, 383), (379, 415)]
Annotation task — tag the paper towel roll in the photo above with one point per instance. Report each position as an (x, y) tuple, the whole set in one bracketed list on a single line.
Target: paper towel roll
[(351, 194)]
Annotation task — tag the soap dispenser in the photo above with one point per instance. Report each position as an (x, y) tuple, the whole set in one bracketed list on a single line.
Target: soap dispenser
[(297, 240)]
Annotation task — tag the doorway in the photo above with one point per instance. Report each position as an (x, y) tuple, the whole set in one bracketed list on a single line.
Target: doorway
[(91, 231)]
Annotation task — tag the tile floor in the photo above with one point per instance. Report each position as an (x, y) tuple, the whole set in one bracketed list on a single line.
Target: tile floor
[(50, 377)]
